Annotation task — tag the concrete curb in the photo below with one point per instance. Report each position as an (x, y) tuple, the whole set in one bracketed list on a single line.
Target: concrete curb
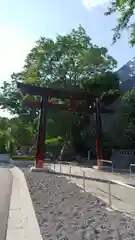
[(22, 162), (22, 222)]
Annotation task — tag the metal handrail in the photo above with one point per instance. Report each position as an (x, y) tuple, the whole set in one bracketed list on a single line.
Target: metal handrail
[(107, 161)]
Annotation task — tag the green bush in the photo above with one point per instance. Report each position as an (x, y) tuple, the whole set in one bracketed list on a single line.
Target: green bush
[(54, 141), (23, 158)]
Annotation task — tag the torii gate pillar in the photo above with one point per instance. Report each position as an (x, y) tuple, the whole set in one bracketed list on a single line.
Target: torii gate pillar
[(99, 149), (41, 133)]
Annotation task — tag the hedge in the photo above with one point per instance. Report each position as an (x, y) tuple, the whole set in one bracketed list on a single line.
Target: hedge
[(54, 141), (25, 158)]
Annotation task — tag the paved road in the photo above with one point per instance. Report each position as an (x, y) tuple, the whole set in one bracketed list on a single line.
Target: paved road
[(5, 192)]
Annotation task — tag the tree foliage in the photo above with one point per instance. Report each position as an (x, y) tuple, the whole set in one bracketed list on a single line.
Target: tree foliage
[(124, 125), (70, 62), (15, 132), (125, 10)]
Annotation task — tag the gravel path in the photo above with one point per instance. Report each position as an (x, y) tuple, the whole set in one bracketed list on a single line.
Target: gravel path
[(66, 213)]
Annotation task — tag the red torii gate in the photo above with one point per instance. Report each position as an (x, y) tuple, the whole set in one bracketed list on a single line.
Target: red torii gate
[(73, 96)]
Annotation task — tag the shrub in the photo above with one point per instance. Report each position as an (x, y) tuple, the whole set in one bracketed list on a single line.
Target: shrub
[(54, 141), (23, 158)]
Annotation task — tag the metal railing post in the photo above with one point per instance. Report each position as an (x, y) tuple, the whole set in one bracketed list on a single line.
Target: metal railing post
[(109, 194), (70, 171), (107, 161), (84, 180), (112, 168), (60, 168), (130, 171), (89, 155)]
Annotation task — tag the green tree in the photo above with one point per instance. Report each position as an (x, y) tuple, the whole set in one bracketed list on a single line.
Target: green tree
[(124, 125), (5, 135), (15, 132), (70, 62), (22, 132), (125, 10)]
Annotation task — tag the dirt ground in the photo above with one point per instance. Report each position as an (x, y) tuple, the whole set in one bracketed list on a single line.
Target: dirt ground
[(64, 212)]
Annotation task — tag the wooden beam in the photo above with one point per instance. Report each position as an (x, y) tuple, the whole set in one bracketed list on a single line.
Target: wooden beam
[(51, 92), (79, 108)]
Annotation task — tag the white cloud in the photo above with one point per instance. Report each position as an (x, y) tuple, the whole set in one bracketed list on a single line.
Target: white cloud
[(13, 50), (93, 3)]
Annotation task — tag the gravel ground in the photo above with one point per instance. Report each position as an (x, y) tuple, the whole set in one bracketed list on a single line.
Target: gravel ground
[(64, 212)]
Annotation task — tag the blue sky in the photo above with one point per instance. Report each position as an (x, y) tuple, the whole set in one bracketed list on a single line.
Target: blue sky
[(23, 22)]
